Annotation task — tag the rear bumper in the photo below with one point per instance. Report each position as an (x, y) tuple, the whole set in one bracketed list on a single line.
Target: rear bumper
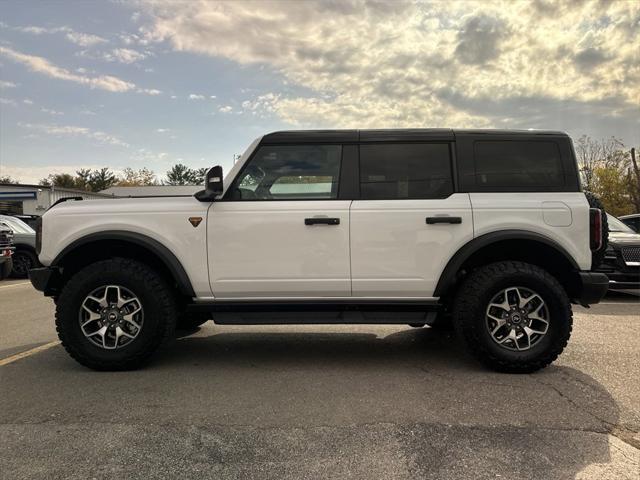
[(594, 287), (45, 279)]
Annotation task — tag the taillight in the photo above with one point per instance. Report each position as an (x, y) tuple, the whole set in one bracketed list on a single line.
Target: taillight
[(595, 229), (38, 230)]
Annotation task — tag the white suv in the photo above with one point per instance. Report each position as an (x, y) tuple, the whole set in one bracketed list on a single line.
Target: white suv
[(487, 230)]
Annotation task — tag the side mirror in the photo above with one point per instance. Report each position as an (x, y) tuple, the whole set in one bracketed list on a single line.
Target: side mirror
[(212, 185)]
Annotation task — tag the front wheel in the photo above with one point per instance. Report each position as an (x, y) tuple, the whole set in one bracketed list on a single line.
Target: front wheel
[(513, 317), (114, 314)]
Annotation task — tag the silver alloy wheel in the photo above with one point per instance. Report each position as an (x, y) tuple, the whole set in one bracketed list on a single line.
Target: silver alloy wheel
[(111, 317), (517, 318)]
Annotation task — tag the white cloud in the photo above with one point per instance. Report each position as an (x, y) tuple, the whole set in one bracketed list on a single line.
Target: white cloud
[(84, 39), (79, 38), (50, 111), (27, 101), (74, 131), (226, 109), (102, 82), (195, 96), (7, 84), (150, 91), (44, 66), (7, 101), (124, 55), (162, 130), (403, 63)]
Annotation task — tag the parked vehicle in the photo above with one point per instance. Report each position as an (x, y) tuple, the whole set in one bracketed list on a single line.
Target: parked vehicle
[(6, 251), (632, 221), (622, 258), (24, 238), (354, 226)]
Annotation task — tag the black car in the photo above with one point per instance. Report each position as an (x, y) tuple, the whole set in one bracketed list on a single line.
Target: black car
[(632, 221), (622, 259)]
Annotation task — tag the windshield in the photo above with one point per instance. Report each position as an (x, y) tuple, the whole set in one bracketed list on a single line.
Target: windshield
[(17, 225), (616, 225)]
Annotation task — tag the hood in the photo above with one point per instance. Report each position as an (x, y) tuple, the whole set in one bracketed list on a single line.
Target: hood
[(124, 205)]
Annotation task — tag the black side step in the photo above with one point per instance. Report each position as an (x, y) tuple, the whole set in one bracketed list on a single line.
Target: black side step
[(316, 306)]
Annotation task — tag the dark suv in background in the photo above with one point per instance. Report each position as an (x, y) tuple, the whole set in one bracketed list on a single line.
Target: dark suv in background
[(622, 258)]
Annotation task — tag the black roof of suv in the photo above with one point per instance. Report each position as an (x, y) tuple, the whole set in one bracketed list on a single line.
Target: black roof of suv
[(390, 135)]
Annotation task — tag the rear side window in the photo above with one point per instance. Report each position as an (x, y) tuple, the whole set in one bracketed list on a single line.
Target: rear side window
[(410, 171), (512, 164), (290, 172)]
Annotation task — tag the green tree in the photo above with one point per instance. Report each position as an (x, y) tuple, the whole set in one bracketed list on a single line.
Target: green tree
[(200, 174), (102, 179), (180, 174), (62, 180), (83, 177), (7, 179), (131, 177)]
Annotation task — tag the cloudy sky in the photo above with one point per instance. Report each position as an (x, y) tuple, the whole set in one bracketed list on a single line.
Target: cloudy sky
[(152, 83)]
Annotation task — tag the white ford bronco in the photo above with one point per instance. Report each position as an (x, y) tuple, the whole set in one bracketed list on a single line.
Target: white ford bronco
[(486, 230)]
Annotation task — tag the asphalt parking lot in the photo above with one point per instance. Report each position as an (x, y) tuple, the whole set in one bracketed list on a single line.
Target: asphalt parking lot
[(295, 402)]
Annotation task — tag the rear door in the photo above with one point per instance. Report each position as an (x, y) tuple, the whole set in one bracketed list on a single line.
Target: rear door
[(408, 221), (282, 230)]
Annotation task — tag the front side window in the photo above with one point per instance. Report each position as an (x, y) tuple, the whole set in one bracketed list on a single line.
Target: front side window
[(290, 172), (410, 171), (513, 164)]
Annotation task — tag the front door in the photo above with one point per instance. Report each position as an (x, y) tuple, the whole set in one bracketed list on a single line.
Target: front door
[(281, 230)]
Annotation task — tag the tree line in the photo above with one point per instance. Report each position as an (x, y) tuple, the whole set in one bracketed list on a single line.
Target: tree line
[(611, 172), (96, 180)]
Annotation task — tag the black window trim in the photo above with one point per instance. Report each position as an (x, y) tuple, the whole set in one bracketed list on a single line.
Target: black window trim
[(452, 161), (465, 150), (227, 194)]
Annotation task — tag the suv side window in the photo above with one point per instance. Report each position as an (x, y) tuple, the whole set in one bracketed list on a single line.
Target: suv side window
[(409, 171), (517, 163), (290, 172)]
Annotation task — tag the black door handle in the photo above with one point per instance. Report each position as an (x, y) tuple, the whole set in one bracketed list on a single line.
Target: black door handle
[(454, 220), (321, 221)]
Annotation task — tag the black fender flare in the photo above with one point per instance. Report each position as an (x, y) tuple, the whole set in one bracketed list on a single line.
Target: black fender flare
[(158, 249), (448, 276)]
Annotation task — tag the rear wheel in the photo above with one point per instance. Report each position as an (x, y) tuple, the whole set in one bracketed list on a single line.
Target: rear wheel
[(513, 316), (114, 314), (23, 261)]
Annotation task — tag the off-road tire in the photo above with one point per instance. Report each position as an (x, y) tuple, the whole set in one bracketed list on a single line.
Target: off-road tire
[(157, 299), (29, 257), (191, 320), (598, 257), (473, 297)]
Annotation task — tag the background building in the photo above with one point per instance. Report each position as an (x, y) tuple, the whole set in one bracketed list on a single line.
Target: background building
[(35, 199)]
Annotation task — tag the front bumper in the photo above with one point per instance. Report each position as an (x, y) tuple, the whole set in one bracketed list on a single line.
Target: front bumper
[(46, 280), (594, 287)]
